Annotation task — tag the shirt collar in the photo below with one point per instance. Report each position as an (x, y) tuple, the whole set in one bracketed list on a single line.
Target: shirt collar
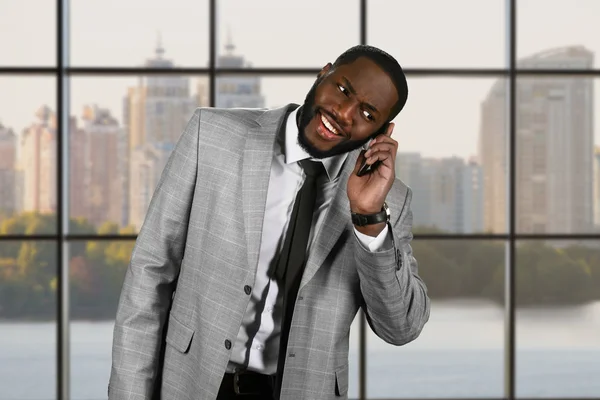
[(294, 152)]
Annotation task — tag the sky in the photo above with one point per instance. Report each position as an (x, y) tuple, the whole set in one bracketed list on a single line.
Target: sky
[(442, 115)]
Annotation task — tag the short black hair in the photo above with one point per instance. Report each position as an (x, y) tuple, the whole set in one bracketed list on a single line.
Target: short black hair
[(385, 62)]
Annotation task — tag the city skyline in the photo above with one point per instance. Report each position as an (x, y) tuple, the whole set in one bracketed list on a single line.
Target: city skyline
[(454, 101), (460, 194), (460, 138)]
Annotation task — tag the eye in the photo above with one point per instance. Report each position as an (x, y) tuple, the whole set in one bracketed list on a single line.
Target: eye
[(368, 115), (343, 89)]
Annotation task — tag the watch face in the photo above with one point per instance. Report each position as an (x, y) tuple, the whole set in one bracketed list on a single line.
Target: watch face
[(387, 209)]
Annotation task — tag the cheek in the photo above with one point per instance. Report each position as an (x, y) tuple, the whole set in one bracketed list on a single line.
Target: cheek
[(325, 97), (362, 131)]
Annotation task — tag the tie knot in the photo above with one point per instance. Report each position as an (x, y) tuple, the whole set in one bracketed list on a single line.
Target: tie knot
[(312, 168)]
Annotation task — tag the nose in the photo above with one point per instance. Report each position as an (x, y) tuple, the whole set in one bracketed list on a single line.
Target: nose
[(345, 112)]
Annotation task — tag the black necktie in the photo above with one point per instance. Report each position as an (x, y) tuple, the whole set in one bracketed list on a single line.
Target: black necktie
[(292, 258)]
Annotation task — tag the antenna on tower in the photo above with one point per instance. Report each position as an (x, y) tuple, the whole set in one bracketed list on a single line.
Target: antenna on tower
[(160, 50), (229, 46)]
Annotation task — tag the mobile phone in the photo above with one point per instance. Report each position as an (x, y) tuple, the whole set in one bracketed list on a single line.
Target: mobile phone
[(368, 168)]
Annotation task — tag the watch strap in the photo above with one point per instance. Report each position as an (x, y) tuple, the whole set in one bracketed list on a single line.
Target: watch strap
[(371, 219)]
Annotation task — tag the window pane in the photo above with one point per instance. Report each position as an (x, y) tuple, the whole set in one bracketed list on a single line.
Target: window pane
[(97, 270), (28, 317), (558, 319), (123, 132), (28, 37), (450, 150), (272, 33), (460, 352), (440, 33), (139, 33), (557, 170), (558, 34), (27, 153)]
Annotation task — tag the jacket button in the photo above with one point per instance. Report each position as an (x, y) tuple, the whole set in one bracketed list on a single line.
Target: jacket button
[(227, 344), (247, 289)]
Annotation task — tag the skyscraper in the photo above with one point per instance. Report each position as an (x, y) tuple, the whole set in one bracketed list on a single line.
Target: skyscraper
[(148, 162), (554, 176), (8, 158), (596, 195), (155, 114), (37, 164), (448, 190), (102, 153), (237, 91)]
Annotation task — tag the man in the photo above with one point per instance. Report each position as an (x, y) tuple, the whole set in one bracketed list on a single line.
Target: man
[(262, 236)]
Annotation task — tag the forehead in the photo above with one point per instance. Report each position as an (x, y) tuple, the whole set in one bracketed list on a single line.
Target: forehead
[(371, 82)]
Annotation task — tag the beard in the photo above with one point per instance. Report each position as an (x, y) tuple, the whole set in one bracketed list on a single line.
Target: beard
[(305, 114)]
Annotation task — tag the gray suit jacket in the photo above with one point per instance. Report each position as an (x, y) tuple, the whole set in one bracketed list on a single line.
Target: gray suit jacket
[(183, 298)]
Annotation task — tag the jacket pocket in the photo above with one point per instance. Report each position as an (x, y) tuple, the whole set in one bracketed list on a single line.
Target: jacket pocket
[(178, 335), (341, 381)]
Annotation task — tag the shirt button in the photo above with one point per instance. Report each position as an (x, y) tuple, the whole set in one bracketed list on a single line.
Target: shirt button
[(247, 289), (259, 347), (269, 309), (227, 344)]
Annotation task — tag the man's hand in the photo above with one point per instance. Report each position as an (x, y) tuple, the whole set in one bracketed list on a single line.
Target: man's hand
[(367, 193)]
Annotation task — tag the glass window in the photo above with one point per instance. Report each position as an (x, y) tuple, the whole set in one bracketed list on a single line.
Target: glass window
[(558, 319), (28, 153), (440, 33), (272, 33), (123, 131), (558, 34), (451, 153), (28, 314), (459, 353), (96, 273), (139, 33), (557, 163), (29, 31)]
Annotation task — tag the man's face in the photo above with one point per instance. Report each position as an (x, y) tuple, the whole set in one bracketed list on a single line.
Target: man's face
[(345, 108)]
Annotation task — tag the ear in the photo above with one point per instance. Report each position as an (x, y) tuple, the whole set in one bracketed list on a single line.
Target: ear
[(324, 70)]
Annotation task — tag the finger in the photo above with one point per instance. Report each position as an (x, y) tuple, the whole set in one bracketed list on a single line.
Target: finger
[(381, 155), (379, 147), (383, 139), (390, 129)]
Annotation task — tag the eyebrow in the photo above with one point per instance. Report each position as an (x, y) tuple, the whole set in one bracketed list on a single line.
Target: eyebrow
[(351, 89)]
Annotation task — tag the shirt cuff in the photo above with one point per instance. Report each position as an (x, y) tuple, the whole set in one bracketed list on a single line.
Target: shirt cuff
[(373, 243)]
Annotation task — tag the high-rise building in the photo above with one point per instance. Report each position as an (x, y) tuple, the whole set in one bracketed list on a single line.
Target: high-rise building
[(237, 91), (147, 164), (103, 156), (8, 159), (37, 164), (554, 176), (155, 113), (596, 188), (447, 192), (472, 220)]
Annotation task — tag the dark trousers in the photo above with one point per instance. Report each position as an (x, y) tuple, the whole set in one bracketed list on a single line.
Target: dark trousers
[(247, 385)]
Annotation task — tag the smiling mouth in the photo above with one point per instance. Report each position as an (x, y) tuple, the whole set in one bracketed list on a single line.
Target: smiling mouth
[(329, 126)]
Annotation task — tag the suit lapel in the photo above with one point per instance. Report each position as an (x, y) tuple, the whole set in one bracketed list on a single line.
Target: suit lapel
[(258, 157), (335, 221)]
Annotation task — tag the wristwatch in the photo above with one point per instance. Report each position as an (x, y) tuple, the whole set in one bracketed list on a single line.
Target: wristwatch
[(370, 219)]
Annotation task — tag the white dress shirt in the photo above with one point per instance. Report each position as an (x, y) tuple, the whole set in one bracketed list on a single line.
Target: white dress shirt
[(257, 345)]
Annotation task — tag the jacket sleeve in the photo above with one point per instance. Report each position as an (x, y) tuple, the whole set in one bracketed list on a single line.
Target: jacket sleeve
[(395, 298), (152, 274)]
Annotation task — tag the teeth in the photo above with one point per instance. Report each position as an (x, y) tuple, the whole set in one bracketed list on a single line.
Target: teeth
[(328, 125)]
